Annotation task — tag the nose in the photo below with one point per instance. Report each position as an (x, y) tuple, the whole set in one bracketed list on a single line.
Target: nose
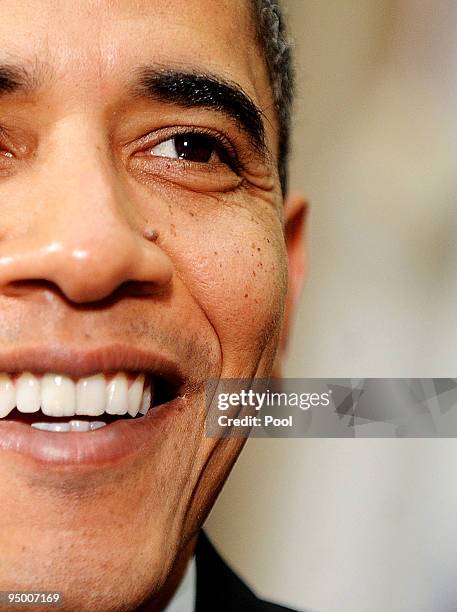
[(79, 231)]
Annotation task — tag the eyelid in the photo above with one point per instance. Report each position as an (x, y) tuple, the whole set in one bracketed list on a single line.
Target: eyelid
[(221, 142)]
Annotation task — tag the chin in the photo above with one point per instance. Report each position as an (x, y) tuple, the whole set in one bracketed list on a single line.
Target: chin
[(112, 568)]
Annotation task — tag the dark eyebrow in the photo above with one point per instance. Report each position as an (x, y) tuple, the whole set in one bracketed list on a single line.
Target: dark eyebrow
[(16, 78), (199, 90), (10, 80)]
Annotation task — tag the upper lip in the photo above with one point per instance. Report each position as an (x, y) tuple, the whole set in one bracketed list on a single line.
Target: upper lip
[(77, 362)]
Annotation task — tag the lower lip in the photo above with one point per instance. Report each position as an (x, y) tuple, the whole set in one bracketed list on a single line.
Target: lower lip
[(106, 446)]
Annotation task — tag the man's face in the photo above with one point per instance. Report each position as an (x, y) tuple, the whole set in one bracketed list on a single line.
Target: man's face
[(112, 123)]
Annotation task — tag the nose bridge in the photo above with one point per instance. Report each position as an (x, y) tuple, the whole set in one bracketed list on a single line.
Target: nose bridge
[(86, 238), (79, 164), (85, 201)]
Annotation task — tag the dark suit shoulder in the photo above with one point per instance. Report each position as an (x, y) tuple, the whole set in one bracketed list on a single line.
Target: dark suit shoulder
[(219, 588)]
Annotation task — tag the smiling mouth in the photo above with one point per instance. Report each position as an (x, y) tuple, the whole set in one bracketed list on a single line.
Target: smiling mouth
[(107, 403)]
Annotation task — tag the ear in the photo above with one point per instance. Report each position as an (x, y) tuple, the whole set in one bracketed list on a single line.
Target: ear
[(295, 222)]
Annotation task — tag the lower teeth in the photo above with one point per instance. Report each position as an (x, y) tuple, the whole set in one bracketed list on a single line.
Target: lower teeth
[(70, 426)]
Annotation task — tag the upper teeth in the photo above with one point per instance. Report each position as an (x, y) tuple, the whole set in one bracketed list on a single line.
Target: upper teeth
[(59, 396)]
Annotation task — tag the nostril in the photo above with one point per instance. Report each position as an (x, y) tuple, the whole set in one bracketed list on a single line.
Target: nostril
[(135, 289), (42, 290), (139, 289), (24, 288)]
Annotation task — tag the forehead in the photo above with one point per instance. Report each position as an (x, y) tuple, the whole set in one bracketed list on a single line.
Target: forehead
[(104, 39)]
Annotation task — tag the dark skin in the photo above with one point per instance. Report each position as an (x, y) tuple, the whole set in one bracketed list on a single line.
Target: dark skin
[(87, 160)]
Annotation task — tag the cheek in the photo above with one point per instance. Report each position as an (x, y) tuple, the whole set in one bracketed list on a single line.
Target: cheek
[(237, 275)]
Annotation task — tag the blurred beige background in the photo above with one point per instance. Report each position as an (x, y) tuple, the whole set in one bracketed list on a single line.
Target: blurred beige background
[(364, 525)]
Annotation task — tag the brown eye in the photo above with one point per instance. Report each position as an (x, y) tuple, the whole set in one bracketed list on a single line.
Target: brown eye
[(197, 148), (194, 159), (194, 147)]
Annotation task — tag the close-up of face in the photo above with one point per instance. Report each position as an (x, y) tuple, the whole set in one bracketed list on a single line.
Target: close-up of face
[(145, 247)]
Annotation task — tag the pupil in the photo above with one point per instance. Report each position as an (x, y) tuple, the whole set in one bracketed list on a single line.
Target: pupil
[(194, 147)]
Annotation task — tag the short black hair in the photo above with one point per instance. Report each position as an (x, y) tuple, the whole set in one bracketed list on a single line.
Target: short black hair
[(273, 40)]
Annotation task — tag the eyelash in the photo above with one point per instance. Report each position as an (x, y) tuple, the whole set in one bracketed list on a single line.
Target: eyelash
[(222, 145)]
